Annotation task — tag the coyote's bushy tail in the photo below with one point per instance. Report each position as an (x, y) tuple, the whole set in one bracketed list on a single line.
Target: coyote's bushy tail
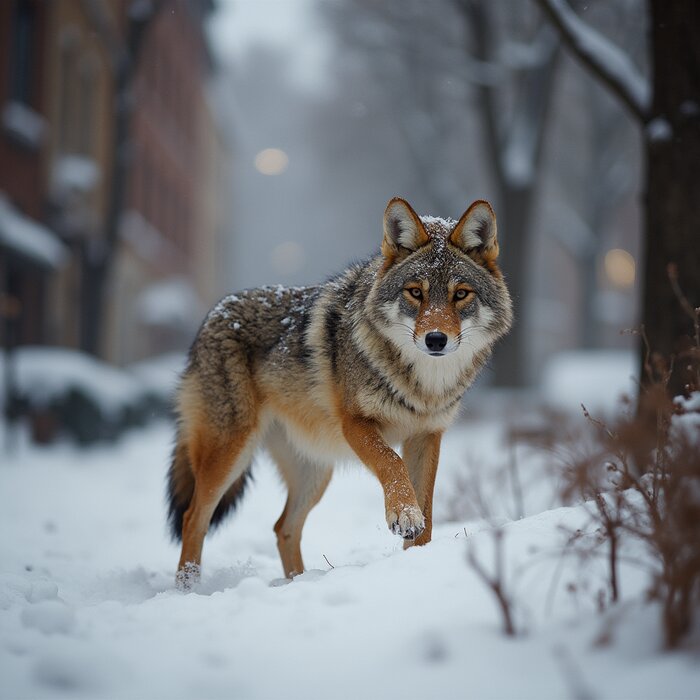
[(181, 488)]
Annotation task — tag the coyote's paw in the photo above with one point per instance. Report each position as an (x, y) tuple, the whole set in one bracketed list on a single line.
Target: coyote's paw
[(188, 576), (408, 522)]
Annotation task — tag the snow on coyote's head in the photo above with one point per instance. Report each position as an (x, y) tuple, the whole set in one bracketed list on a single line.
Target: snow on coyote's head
[(440, 292)]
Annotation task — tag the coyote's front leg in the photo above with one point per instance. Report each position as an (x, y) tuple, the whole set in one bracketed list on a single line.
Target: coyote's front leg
[(421, 454), (403, 514)]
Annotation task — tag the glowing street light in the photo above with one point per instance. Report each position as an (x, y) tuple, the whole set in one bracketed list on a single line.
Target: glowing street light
[(620, 268), (271, 161)]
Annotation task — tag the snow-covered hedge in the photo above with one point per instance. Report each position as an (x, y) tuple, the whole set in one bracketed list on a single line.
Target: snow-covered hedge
[(157, 376), (66, 392)]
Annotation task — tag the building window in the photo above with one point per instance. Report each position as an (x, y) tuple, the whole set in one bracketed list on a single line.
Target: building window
[(87, 82), (24, 23), (68, 46)]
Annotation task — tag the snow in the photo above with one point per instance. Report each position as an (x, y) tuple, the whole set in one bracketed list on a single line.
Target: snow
[(28, 237), (447, 223), (597, 379), (88, 606), (49, 616), (520, 152), (519, 55), (74, 173), (23, 123), (518, 158), (221, 308), (692, 403), (686, 425), (659, 130)]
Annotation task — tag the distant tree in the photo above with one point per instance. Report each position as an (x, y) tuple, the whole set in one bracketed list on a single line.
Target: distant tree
[(514, 79), (667, 109), (410, 52), (484, 135), (428, 84)]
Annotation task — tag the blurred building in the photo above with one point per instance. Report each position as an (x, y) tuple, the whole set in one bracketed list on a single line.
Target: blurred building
[(80, 102), (59, 96), (168, 267), (30, 253)]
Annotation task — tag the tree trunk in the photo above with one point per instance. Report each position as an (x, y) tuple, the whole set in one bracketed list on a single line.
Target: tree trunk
[(509, 359), (518, 140), (589, 333), (672, 197)]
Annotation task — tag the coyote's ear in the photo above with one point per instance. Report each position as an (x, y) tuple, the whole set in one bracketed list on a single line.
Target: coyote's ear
[(403, 231), (475, 233)]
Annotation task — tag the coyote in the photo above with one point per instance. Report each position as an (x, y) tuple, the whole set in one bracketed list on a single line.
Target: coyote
[(375, 357)]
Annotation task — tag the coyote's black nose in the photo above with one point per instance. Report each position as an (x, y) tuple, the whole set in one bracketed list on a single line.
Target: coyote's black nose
[(436, 341)]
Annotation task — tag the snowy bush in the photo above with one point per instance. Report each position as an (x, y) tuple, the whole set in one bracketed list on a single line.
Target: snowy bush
[(643, 481), (66, 392), (650, 498), (636, 474)]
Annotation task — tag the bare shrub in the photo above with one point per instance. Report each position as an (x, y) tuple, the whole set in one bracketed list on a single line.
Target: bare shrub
[(639, 476), (495, 581), (472, 488), (643, 480)]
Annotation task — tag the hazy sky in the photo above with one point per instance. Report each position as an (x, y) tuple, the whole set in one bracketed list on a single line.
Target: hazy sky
[(289, 24)]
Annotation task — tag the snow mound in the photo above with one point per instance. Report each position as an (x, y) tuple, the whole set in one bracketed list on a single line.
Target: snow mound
[(63, 393), (366, 620), (49, 617), (598, 379)]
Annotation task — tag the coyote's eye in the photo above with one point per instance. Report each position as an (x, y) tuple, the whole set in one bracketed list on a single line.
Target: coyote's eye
[(462, 294), (415, 292)]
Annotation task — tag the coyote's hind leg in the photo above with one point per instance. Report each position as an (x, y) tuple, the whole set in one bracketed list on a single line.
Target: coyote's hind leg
[(306, 483), (216, 463)]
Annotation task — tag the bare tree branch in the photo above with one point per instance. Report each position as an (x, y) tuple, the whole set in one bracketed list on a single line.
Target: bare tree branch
[(514, 144), (605, 60), (483, 39), (524, 139)]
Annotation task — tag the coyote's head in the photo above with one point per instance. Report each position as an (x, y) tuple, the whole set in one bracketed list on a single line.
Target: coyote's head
[(440, 292)]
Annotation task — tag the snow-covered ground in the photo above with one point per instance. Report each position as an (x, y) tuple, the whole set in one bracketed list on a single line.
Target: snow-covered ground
[(88, 606)]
